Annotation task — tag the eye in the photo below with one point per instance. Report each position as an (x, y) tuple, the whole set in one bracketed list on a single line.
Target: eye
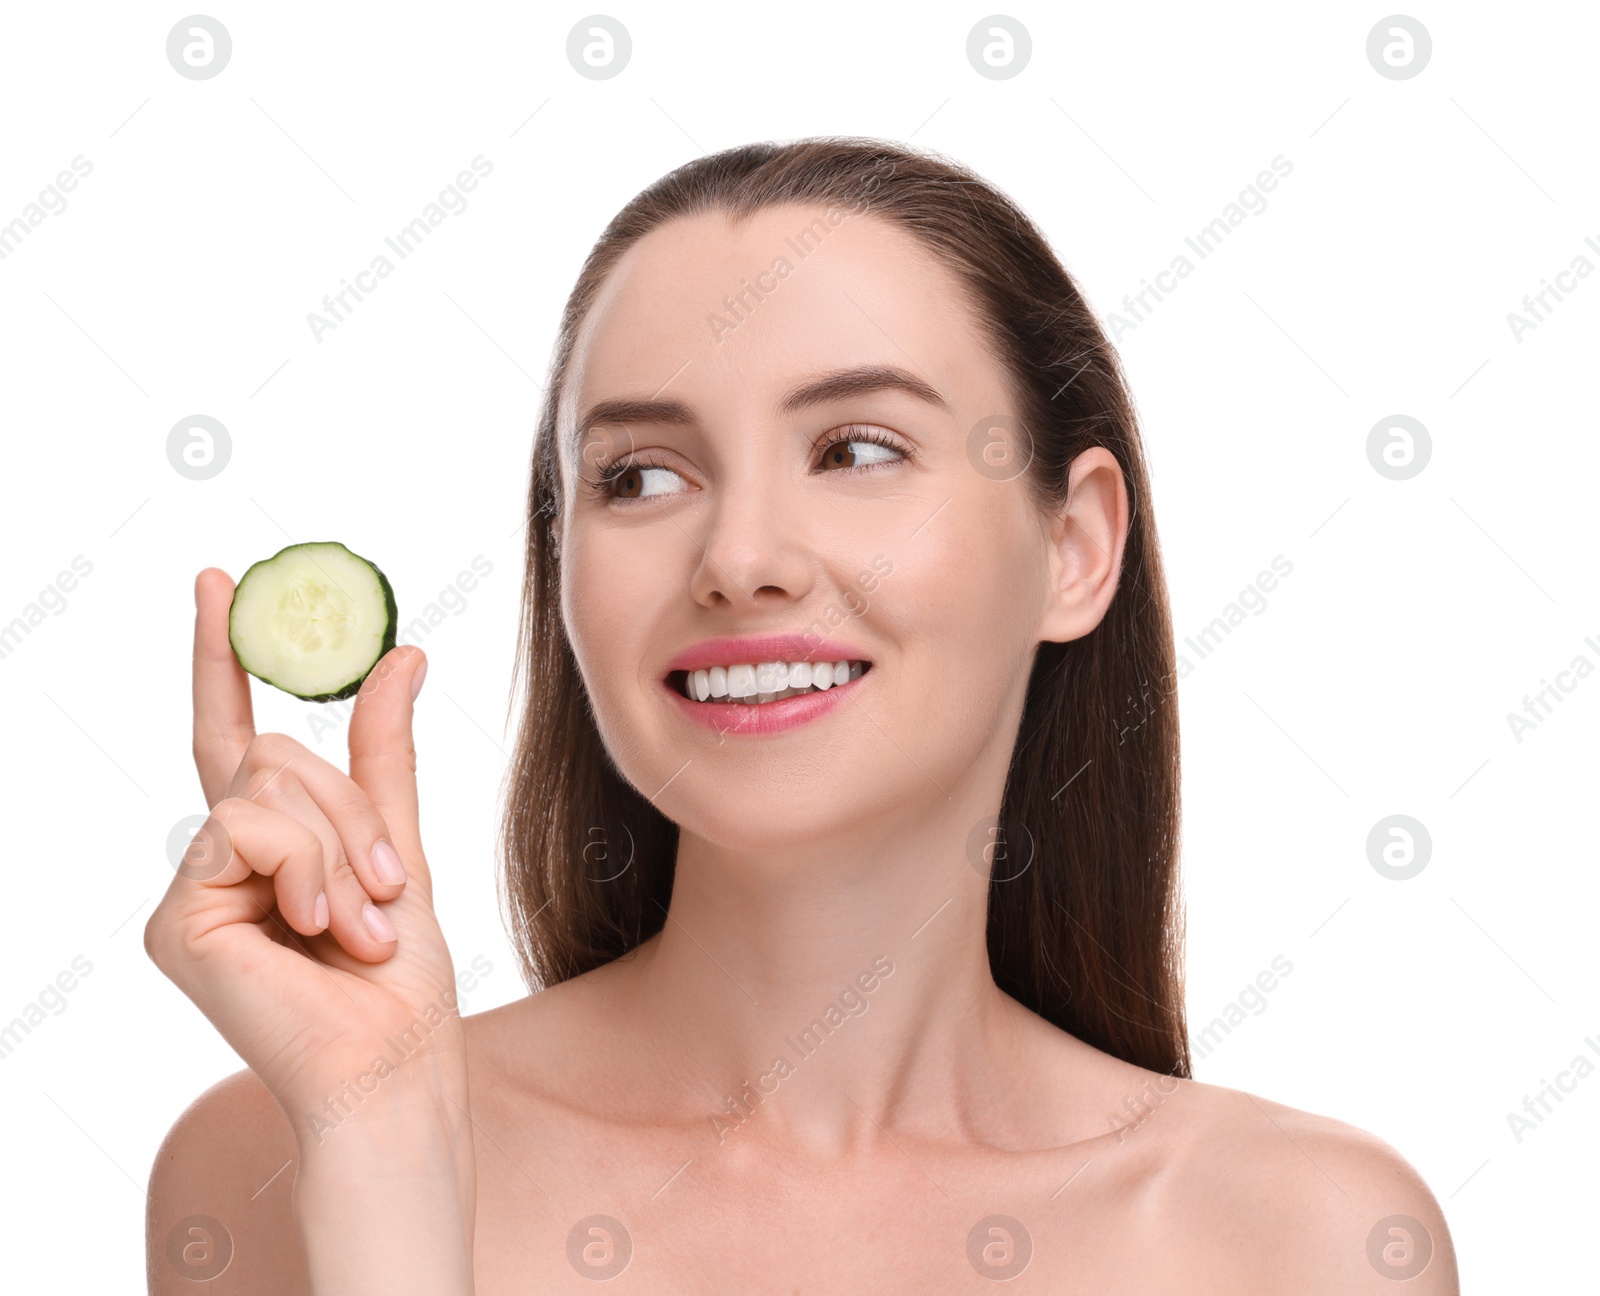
[(862, 447), (627, 481)]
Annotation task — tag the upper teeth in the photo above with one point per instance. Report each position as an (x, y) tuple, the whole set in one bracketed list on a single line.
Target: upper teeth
[(768, 681)]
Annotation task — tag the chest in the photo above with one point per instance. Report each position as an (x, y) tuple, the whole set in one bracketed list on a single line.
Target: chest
[(664, 1212)]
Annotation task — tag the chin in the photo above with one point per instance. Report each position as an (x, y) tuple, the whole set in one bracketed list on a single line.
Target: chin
[(747, 816)]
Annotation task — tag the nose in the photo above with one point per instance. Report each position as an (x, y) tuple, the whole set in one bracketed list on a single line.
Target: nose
[(753, 549)]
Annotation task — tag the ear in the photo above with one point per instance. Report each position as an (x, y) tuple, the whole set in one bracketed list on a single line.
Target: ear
[(1086, 537)]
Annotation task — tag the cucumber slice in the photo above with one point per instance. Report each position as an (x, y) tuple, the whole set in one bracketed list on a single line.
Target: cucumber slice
[(312, 620)]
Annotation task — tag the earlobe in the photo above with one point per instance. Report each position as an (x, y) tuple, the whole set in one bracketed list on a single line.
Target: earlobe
[(1087, 537)]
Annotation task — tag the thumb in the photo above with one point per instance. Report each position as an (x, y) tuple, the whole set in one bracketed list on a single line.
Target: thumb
[(383, 755)]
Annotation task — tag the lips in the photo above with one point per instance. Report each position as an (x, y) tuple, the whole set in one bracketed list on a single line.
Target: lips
[(751, 649), (752, 662)]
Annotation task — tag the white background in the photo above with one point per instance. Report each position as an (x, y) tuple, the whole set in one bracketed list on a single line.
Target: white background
[(1376, 682)]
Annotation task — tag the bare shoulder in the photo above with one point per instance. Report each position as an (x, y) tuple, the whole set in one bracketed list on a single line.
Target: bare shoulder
[(220, 1206), (1314, 1205)]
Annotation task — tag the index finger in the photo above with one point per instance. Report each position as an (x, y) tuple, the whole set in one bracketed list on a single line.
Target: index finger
[(224, 724)]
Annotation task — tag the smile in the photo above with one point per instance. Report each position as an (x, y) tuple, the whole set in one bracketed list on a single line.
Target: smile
[(762, 683), (759, 686)]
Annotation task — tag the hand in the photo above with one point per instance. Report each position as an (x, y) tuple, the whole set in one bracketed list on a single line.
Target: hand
[(285, 925)]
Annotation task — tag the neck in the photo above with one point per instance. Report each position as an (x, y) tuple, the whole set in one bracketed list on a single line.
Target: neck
[(811, 993)]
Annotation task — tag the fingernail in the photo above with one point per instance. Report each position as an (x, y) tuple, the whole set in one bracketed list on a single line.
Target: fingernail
[(319, 911), (380, 927), (386, 864), (416, 680)]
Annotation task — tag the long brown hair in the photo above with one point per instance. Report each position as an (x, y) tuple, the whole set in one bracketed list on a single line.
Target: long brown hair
[(1089, 933)]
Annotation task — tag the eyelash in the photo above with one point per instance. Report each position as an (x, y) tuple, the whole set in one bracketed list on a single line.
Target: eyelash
[(607, 474)]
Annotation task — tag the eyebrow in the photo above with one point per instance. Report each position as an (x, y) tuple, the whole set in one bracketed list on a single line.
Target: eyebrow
[(838, 385)]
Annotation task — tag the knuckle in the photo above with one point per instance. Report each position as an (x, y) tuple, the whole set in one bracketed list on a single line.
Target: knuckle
[(350, 802), (313, 859), (341, 872), (312, 848), (165, 941), (305, 853), (273, 749), (269, 785), (227, 810), (154, 944)]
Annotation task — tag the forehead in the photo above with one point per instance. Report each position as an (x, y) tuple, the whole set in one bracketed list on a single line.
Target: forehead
[(727, 316)]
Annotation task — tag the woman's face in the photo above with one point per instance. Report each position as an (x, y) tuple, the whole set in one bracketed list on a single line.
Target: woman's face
[(789, 451)]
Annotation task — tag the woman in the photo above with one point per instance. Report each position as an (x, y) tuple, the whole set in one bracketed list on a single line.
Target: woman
[(847, 878)]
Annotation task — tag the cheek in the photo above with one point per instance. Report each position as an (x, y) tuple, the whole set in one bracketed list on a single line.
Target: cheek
[(967, 592), (962, 608), (614, 585)]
